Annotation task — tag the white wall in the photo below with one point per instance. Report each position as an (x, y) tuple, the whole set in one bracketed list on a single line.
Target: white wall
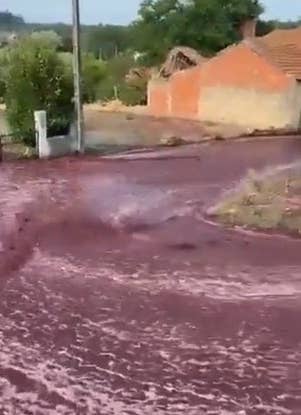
[(48, 147)]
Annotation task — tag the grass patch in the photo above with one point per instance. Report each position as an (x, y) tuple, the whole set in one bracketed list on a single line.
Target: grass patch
[(270, 201)]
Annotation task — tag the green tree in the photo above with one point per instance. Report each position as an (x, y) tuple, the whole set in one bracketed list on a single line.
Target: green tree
[(94, 71), (3, 71), (49, 38), (206, 25), (105, 41), (265, 26), (37, 80), (114, 85)]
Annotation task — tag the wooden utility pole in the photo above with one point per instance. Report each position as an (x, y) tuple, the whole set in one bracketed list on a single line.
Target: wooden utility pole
[(77, 77)]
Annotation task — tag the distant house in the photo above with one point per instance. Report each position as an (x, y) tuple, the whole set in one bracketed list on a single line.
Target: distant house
[(256, 84)]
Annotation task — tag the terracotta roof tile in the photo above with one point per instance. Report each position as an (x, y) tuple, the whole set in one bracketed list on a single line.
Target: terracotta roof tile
[(283, 48), (283, 36)]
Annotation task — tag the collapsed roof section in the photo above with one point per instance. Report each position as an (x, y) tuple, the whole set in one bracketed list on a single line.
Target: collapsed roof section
[(180, 58)]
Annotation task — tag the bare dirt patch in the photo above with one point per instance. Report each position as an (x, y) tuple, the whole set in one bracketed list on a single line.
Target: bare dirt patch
[(133, 129)]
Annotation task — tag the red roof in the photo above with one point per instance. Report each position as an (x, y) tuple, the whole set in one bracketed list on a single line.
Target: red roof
[(283, 48), (283, 36)]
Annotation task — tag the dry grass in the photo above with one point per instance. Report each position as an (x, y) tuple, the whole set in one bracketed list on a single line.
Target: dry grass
[(271, 201), (17, 151), (116, 106), (3, 125)]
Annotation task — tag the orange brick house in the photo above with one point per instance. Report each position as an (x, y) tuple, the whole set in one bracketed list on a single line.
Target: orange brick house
[(256, 84)]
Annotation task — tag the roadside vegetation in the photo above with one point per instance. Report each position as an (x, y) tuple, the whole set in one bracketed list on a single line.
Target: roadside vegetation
[(36, 59), (111, 51), (36, 79), (269, 202)]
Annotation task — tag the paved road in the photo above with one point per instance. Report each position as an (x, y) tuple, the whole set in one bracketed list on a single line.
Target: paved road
[(116, 298)]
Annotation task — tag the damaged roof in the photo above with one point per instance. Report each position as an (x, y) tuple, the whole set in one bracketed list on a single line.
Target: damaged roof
[(179, 58)]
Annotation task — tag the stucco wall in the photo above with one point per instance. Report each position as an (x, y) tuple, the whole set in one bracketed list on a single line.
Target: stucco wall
[(241, 67), (297, 112), (251, 108), (184, 93), (48, 147), (57, 146), (159, 98), (238, 86)]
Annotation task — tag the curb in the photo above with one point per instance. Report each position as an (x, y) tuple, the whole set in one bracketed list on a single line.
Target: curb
[(249, 232)]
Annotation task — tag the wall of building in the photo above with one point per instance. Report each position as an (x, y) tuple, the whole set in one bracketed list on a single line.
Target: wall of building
[(159, 98), (184, 93), (236, 87), (297, 115), (241, 87), (250, 108)]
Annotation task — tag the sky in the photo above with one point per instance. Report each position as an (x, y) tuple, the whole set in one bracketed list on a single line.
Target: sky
[(117, 11)]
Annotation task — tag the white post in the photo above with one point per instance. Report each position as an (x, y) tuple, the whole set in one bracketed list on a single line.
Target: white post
[(40, 118)]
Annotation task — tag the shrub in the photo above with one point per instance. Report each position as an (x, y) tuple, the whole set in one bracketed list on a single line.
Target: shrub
[(37, 80), (107, 89), (115, 82), (49, 38), (2, 90), (94, 71), (3, 72), (130, 95), (67, 59)]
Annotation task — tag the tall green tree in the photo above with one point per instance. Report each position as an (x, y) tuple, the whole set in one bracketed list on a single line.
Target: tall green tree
[(105, 41), (206, 25)]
